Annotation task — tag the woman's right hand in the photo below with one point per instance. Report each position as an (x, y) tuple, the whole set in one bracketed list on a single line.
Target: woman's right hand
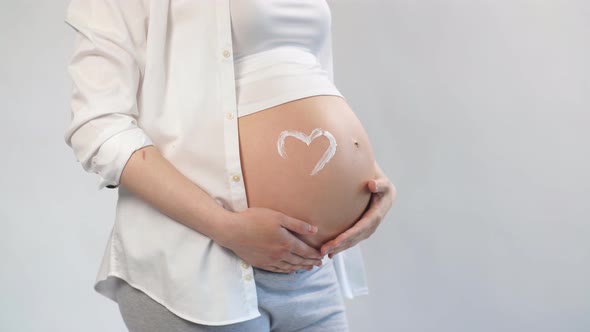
[(262, 238)]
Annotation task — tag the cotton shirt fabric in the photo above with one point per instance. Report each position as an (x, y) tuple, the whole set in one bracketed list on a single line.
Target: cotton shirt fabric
[(275, 47), (161, 72)]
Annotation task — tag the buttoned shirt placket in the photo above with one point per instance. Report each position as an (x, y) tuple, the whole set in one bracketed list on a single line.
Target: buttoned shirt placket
[(229, 108)]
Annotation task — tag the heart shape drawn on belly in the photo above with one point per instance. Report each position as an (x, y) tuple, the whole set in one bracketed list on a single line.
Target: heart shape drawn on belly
[(307, 140)]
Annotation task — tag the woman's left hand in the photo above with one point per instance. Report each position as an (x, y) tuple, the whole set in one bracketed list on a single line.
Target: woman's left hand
[(382, 198)]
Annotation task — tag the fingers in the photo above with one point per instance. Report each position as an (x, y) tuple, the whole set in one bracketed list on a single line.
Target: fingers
[(294, 262), (301, 262), (278, 269), (379, 185), (297, 246), (327, 246), (361, 230), (342, 242), (273, 268), (298, 226), (350, 236), (304, 250), (372, 186), (288, 268)]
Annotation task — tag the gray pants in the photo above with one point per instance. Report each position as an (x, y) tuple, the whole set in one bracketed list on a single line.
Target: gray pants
[(302, 301)]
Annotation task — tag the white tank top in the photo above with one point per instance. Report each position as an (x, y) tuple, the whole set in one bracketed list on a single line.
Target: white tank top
[(275, 46)]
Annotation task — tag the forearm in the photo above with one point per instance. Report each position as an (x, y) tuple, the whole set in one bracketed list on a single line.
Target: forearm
[(154, 179)]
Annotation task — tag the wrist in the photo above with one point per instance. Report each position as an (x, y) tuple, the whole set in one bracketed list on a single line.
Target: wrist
[(222, 226)]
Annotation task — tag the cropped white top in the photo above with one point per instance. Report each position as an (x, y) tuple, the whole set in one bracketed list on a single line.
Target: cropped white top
[(275, 45)]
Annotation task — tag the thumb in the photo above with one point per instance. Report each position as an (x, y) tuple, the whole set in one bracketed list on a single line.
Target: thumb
[(377, 185), (298, 226)]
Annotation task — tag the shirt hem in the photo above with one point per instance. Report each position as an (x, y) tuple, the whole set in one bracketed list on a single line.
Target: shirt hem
[(109, 293), (360, 292), (247, 109)]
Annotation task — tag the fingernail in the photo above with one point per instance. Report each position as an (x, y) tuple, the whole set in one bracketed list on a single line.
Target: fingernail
[(312, 228)]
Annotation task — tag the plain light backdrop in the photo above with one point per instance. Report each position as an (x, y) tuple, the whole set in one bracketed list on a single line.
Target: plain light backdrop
[(478, 111)]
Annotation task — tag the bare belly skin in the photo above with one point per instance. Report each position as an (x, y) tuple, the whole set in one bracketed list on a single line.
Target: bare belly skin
[(333, 198)]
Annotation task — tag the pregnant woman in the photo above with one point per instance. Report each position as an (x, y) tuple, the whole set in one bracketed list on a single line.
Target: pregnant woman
[(220, 125), (303, 150)]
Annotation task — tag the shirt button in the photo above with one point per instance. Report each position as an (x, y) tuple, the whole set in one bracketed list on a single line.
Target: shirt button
[(245, 265), (236, 177), (248, 277), (230, 115), (226, 53)]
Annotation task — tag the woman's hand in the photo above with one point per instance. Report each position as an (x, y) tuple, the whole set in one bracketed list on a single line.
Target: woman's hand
[(262, 238), (382, 198)]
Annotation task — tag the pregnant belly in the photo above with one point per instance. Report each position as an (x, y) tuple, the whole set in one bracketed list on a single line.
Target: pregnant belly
[(321, 178)]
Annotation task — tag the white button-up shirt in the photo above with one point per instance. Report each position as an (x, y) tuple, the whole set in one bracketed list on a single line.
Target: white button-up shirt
[(161, 72)]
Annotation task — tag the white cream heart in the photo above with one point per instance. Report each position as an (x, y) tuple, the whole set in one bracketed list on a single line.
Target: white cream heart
[(307, 140)]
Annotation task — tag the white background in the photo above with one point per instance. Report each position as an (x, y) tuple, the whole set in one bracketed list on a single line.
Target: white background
[(478, 111)]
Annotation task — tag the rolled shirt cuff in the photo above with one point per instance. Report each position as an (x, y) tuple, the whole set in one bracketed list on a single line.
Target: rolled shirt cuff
[(114, 154)]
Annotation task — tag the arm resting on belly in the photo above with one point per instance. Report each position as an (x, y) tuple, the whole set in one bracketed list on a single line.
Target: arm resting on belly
[(154, 179), (268, 243)]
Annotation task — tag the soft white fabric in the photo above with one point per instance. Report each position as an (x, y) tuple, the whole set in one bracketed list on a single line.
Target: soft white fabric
[(275, 46), (161, 72)]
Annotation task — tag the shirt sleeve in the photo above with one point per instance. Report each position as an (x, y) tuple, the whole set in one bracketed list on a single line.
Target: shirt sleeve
[(105, 70)]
